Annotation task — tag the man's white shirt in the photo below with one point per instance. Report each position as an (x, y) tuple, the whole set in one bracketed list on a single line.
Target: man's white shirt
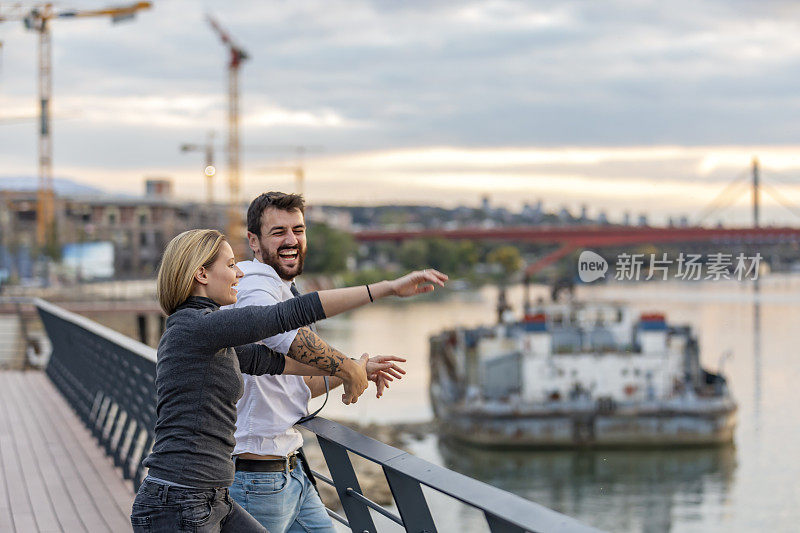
[(270, 405)]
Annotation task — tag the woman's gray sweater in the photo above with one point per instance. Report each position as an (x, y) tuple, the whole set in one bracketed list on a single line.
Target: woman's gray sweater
[(201, 358)]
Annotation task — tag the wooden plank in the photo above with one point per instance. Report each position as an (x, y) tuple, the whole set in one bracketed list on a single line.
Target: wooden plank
[(119, 488), (29, 461), (110, 495), (58, 491), (6, 522), (22, 515), (79, 496), (53, 474), (61, 445)]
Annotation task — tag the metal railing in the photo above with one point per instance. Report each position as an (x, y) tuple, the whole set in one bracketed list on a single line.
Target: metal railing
[(407, 474), (109, 379)]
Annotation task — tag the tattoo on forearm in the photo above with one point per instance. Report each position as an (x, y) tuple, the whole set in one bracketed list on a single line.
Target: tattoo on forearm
[(310, 349)]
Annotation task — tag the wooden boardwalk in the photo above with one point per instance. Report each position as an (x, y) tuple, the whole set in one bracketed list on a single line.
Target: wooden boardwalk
[(53, 475)]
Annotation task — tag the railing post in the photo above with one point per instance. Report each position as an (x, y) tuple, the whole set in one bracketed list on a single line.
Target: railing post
[(344, 477), (410, 502), (99, 421), (126, 442), (114, 438)]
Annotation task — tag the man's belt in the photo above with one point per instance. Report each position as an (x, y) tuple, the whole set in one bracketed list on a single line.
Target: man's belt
[(266, 465)]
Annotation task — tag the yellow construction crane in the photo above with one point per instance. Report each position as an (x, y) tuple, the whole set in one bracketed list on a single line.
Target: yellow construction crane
[(235, 228), (38, 19), (209, 170), (298, 169)]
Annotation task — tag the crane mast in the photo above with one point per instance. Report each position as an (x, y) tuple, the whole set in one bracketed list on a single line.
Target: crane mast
[(45, 218), (38, 19), (235, 228)]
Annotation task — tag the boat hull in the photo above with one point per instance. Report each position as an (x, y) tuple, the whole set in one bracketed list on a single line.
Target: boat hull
[(564, 429)]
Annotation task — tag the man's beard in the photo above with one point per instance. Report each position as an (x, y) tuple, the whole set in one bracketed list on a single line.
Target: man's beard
[(273, 259)]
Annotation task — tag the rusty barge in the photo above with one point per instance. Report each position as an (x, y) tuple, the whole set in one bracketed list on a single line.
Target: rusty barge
[(578, 375)]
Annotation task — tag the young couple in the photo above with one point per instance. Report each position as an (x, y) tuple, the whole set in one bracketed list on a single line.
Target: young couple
[(211, 339)]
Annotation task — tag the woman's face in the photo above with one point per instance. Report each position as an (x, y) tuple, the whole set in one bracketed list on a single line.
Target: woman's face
[(222, 277)]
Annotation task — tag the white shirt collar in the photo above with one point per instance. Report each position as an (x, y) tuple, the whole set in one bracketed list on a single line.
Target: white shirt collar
[(285, 282)]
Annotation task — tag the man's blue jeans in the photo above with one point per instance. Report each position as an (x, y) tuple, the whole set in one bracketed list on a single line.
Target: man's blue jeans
[(283, 502)]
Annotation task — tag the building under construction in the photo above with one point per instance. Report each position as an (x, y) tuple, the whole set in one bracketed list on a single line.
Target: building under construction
[(138, 227)]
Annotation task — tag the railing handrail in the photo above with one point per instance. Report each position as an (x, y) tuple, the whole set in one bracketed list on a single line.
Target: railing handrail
[(100, 330), (523, 513)]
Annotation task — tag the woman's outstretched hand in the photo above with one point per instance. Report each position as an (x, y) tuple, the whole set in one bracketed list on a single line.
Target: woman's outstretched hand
[(417, 282)]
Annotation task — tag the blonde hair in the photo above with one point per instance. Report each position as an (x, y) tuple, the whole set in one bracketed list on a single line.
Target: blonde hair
[(183, 256)]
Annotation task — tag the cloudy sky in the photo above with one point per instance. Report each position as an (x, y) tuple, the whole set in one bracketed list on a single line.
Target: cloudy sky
[(620, 105)]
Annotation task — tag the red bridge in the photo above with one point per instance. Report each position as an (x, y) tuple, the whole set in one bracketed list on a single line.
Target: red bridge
[(574, 237)]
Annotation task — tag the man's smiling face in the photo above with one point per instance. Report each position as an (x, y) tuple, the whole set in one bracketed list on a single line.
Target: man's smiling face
[(283, 241)]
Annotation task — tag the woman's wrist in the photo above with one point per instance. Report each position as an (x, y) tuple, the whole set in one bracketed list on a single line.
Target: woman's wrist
[(380, 289)]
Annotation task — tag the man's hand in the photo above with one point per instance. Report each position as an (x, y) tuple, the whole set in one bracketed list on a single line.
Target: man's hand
[(417, 282), (354, 377), (380, 370)]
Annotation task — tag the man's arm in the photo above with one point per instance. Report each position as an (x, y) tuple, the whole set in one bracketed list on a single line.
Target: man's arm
[(316, 384), (309, 348), (380, 369)]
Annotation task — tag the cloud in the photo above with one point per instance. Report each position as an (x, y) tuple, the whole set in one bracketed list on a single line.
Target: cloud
[(584, 93)]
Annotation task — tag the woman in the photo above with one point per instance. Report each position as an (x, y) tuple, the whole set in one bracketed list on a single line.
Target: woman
[(201, 357)]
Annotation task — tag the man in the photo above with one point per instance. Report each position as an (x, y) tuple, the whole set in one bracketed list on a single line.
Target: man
[(270, 483)]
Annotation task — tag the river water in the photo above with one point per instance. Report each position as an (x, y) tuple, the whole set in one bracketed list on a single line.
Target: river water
[(749, 486)]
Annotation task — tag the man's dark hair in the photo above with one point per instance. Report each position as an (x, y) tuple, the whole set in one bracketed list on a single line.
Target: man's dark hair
[(278, 200)]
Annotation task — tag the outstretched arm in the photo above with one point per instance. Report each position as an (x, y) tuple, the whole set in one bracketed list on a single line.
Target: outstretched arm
[(244, 325), (308, 348), (336, 301)]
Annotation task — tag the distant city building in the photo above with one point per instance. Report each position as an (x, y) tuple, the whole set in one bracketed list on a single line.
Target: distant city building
[(532, 212), (138, 227), (158, 188), (334, 217), (643, 219)]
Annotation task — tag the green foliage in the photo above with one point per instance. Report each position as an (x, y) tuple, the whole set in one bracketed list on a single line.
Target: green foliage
[(363, 277), (508, 257), (468, 254), (443, 255), (328, 249), (413, 254), (447, 256)]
